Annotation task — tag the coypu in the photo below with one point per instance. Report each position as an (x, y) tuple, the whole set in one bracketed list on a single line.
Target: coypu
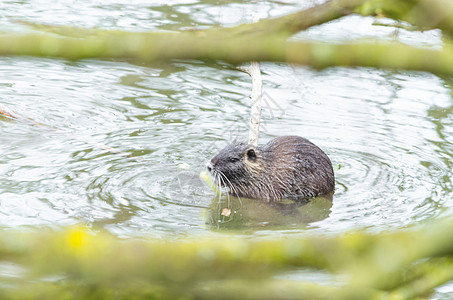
[(287, 167)]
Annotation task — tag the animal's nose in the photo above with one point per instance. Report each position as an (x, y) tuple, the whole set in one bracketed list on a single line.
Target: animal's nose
[(209, 166)]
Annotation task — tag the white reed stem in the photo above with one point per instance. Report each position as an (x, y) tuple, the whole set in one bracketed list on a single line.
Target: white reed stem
[(257, 91)]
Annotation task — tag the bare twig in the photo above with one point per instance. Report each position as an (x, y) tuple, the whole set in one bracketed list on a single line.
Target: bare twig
[(6, 112), (257, 91)]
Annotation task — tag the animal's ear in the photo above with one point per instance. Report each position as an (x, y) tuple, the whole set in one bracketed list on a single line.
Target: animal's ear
[(251, 154)]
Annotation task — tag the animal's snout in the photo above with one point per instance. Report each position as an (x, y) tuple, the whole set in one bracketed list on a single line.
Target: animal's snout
[(209, 166), (212, 164)]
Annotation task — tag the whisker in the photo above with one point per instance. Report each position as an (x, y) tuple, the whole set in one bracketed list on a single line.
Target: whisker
[(231, 186)]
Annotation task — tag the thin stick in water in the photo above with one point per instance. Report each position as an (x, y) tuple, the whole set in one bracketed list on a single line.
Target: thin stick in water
[(257, 91)]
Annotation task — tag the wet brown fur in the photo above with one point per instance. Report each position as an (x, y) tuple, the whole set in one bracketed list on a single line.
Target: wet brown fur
[(288, 167)]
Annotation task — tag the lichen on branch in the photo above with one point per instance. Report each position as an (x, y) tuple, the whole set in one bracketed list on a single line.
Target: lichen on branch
[(266, 40)]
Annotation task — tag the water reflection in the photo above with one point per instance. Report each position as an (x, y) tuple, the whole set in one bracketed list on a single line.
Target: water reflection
[(229, 212)]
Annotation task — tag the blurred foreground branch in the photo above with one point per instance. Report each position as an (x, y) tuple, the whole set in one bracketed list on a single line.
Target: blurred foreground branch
[(148, 48), (266, 40), (401, 264)]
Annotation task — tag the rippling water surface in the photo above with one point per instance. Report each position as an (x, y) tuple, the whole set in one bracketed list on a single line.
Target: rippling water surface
[(388, 133)]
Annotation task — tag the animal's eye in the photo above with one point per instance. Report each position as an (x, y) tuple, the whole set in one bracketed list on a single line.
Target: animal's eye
[(251, 155), (233, 159)]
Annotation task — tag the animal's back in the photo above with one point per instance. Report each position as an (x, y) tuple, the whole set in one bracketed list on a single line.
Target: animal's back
[(299, 167)]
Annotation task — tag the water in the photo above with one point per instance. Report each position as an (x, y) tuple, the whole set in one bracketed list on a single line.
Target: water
[(390, 131)]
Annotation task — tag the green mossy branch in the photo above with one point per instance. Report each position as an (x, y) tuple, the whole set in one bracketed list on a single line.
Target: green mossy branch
[(266, 40), (402, 264), (424, 14), (160, 46)]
